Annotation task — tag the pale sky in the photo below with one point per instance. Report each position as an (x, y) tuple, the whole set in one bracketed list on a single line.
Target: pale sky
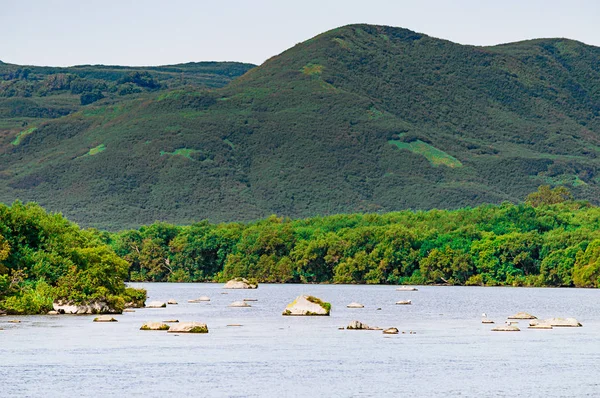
[(152, 32)]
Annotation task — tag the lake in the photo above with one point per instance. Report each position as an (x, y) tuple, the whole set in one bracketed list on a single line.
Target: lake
[(450, 352)]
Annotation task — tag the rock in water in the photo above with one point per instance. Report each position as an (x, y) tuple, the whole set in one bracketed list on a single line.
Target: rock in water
[(358, 325), (522, 315), (557, 322), (14, 321), (128, 310), (172, 302), (538, 325), (485, 320), (105, 318), (188, 327), (154, 326), (390, 331), (94, 307), (404, 302), (250, 299), (407, 289), (156, 304), (199, 299), (52, 313), (239, 304), (506, 328), (239, 283), (355, 305), (308, 306)]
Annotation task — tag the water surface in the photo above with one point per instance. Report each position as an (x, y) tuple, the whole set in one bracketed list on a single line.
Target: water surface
[(451, 353)]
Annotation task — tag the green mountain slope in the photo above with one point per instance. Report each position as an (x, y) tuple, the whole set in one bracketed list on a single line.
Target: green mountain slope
[(360, 118)]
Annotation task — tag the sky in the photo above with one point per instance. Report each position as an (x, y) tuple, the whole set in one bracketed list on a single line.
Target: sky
[(151, 32)]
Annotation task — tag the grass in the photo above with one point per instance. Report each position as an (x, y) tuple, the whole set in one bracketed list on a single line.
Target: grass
[(312, 69), (96, 150), (23, 134), (435, 156)]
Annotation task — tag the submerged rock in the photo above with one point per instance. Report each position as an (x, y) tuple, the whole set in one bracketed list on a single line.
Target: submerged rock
[(250, 299), (407, 289), (199, 299), (155, 326), (307, 306), (105, 318), (506, 328), (355, 305), (404, 302), (239, 283), (156, 304), (172, 302), (522, 315), (557, 322), (188, 327), (390, 331), (94, 307), (239, 304)]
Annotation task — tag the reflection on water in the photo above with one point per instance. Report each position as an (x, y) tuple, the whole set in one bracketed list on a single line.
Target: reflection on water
[(451, 353)]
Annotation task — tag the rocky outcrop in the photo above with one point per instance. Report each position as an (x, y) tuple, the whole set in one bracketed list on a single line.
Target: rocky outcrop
[(355, 305), (199, 299), (154, 326), (156, 304), (239, 304), (506, 328), (404, 302), (557, 322), (307, 306), (172, 302), (105, 318), (522, 315), (390, 331), (95, 307), (239, 283), (188, 327), (358, 325), (407, 289)]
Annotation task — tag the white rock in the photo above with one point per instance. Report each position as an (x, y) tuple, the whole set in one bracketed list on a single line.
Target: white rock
[(404, 302), (239, 283), (199, 299), (156, 304), (188, 327), (239, 304), (172, 302), (522, 315), (154, 326), (355, 305), (105, 318), (307, 305), (407, 289), (390, 331), (506, 328), (97, 307), (557, 322)]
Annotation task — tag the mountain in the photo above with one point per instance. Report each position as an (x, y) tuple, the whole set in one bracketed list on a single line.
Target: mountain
[(360, 118)]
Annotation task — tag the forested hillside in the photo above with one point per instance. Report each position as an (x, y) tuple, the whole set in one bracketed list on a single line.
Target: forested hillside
[(358, 119)]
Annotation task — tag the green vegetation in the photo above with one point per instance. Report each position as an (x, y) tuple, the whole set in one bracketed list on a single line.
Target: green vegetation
[(434, 155), (311, 128), (326, 306), (44, 258), (550, 241), (21, 135), (96, 150), (185, 152)]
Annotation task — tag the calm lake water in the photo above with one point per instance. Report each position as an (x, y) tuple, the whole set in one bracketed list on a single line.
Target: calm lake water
[(451, 354)]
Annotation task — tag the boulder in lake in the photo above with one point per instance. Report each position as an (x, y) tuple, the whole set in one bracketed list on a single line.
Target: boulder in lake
[(506, 328), (307, 306), (94, 307), (199, 299), (52, 313), (105, 318), (239, 304), (404, 302), (390, 331), (239, 283), (557, 322), (355, 305), (128, 310), (14, 321), (407, 289), (486, 320), (172, 302), (539, 325), (250, 299), (155, 326), (171, 321), (156, 304), (522, 315), (188, 327), (358, 325)]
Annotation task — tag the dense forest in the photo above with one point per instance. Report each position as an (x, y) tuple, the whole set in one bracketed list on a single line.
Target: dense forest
[(45, 258), (362, 118), (551, 240)]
